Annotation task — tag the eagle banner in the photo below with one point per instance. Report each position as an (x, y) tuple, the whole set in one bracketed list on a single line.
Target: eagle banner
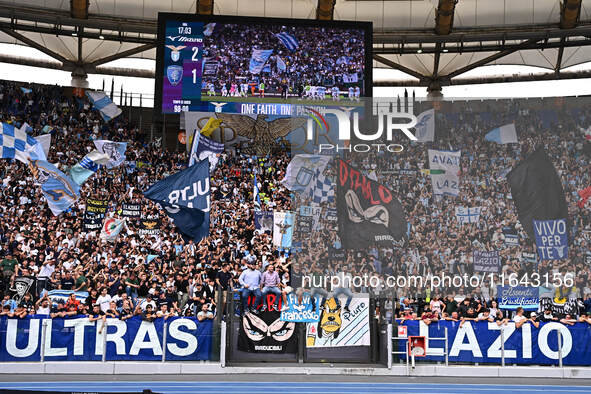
[(368, 212), (150, 225), (283, 223)]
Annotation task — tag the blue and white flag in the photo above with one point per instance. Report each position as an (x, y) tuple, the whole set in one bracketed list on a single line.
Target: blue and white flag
[(17, 144), (26, 90), (89, 165), (59, 190), (468, 215), (45, 141), (322, 189), (301, 172), (258, 59), (283, 228), (255, 196), (551, 239), (62, 295), (503, 135), (425, 127), (185, 197), (105, 106), (206, 149), (288, 40), (208, 29), (194, 145), (115, 151), (281, 64)]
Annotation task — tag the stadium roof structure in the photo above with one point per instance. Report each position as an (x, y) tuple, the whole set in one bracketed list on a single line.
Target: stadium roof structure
[(433, 41)]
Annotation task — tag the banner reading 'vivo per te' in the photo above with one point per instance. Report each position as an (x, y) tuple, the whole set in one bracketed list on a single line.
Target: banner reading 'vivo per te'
[(78, 339)]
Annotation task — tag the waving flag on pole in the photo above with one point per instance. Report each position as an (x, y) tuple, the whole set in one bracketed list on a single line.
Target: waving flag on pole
[(45, 141), (59, 190), (90, 164), (258, 60), (288, 40), (105, 106), (281, 64), (425, 127), (503, 135), (115, 150), (17, 144), (111, 229), (185, 197)]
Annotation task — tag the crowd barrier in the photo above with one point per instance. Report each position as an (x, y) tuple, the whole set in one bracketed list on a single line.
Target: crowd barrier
[(38, 338)]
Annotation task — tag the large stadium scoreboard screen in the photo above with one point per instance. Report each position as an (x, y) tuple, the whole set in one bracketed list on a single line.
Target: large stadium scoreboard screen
[(216, 63), (183, 53)]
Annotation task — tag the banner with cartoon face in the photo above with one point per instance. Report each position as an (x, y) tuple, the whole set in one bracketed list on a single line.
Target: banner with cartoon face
[(339, 328), (266, 333)]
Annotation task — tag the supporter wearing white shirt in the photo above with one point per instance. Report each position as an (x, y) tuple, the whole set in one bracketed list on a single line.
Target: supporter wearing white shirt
[(104, 300), (519, 319)]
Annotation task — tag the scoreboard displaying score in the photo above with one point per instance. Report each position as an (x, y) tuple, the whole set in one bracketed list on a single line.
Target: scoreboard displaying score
[(221, 63), (183, 50)]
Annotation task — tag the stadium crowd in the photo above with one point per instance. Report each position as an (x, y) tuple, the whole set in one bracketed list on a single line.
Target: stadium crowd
[(322, 57), (438, 243), (159, 275), (149, 275)]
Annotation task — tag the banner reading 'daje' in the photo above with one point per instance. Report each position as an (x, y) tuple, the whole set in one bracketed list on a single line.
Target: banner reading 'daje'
[(78, 339)]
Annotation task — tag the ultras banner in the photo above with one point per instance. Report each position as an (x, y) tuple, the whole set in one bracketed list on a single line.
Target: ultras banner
[(480, 342), (78, 339), (368, 212)]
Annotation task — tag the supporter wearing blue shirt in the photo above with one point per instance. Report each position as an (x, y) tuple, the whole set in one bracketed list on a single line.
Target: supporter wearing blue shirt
[(250, 280)]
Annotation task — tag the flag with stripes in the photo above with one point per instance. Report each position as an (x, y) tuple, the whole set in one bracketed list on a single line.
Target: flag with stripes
[(17, 144), (104, 104), (288, 40), (322, 189), (90, 164)]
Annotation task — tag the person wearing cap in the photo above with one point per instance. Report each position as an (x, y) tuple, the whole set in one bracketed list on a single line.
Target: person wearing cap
[(548, 316), (148, 314), (534, 319), (250, 280)]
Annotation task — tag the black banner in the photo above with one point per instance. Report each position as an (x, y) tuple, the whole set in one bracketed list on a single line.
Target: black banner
[(131, 210), (537, 191), (150, 225), (266, 333), (95, 214), (368, 212), (304, 225)]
